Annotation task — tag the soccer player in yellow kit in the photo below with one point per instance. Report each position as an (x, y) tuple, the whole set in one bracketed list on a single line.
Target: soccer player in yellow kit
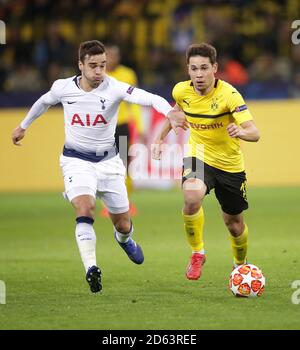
[(218, 119)]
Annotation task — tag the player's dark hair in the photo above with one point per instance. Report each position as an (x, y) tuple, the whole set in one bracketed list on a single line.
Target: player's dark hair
[(91, 47), (204, 50)]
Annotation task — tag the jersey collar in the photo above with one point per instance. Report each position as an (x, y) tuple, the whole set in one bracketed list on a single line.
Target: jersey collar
[(215, 85), (100, 87), (76, 81)]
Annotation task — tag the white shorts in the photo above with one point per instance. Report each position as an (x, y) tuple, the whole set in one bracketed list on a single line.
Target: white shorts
[(105, 179)]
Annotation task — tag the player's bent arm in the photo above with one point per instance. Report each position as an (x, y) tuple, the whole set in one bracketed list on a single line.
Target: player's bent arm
[(37, 109), (156, 147), (247, 131), (164, 131)]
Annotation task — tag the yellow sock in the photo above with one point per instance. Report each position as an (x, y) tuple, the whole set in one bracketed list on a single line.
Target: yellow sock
[(129, 185), (193, 225), (239, 247)]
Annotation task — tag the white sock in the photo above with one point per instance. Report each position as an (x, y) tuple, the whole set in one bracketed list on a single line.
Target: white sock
[(123, 237), (86, 241)]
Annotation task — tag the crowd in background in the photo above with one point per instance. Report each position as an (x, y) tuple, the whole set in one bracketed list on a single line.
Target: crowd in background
[(253, 39)]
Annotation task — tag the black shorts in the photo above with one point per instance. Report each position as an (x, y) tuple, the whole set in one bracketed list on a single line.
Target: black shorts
[(230, 188)]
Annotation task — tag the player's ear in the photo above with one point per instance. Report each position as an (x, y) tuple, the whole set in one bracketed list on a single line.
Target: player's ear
[(188, 68), (80, 64), (215, 68)]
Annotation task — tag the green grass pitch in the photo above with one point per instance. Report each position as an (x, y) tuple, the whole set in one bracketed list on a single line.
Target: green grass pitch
[(45, 280)]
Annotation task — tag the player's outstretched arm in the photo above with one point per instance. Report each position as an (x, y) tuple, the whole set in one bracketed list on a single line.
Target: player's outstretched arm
[(37, 109), (247, 131), (144, 98)]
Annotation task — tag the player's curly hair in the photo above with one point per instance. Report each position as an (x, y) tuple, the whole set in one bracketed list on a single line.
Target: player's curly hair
[(91, 47), (204, 50)]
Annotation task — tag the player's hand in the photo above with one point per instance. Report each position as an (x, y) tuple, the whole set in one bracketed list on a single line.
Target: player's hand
[(17, 135), (156, 150), (177, 120), (234, 130)]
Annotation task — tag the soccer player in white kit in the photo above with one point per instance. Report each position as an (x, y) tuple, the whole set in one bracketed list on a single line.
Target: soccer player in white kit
[(90, 162)]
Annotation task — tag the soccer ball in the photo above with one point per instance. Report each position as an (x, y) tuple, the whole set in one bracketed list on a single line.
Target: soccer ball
[(247, 281)]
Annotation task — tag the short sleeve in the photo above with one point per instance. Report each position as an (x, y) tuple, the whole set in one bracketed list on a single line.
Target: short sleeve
[(176, 95), (238, 107), (57, 89)]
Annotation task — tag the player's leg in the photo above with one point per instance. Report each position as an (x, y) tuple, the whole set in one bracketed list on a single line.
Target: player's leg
[(238, 236), (84, 206), (193, 217), (123, 230), (80, 190), (112, 191), (231, 194), (194, 190)]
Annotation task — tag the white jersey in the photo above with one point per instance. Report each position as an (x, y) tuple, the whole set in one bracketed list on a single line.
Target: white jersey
[(91, 117)]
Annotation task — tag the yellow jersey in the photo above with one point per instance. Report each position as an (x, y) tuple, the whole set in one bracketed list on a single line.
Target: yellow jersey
[(208, 117), (128, 111)]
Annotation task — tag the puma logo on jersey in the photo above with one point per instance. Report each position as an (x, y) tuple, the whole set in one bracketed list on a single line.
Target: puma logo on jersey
[(87, 120), (186, 102)]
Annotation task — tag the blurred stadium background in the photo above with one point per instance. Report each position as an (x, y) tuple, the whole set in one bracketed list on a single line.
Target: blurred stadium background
[(256, 55)]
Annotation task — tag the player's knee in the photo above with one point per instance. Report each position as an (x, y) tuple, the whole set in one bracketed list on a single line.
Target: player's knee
[(235, 227), (88, 210), (84, 208), (123, 225), (192, 202), (191, 208)]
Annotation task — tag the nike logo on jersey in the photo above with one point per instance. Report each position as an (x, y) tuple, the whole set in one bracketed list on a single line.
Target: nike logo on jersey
[(70, 102)]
